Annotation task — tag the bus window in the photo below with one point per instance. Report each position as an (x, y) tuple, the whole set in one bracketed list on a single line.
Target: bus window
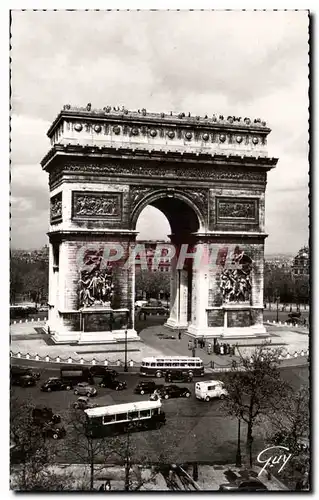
[(168, 364), (160, 364), (153, 364), (121, 416), (183, 363), (143, 363), (147, 364), (145, 413), (108, 418), (175, 364), (133, 415), (198, 365), (191, 364)]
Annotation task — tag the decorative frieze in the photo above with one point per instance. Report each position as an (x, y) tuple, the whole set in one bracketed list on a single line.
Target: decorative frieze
[(96, 205), (56, 209), (147, 170), (232, 210)]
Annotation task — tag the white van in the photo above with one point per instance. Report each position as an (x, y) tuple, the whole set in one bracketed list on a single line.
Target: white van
[(210, 389)]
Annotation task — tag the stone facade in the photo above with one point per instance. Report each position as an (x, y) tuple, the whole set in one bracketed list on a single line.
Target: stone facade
[(207, 175)]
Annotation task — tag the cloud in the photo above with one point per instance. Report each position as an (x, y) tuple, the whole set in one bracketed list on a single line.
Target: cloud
[(246, 63)]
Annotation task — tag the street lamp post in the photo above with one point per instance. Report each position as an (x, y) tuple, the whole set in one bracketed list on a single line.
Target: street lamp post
[(277, 316), (125, 354), (238, 453)]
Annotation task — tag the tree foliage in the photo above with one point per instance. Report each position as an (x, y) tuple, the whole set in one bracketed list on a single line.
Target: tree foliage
[(289, 426), (255, 391), (152, 283), (29, 279), (32, 455)]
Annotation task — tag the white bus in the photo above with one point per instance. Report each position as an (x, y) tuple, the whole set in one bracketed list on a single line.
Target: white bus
[(158, 366), (118, 419)]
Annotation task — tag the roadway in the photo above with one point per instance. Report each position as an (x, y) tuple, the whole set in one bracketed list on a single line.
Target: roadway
[(195, 431)]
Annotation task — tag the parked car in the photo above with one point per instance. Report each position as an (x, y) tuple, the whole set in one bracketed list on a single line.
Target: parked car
[(42, 415), (241, 484), (54, 431), (85, 389), (23, 381), (49, 422), (178, 376), (147, 387), (113, 383), (23, 377), (55, 384), (102, 371), (171, 391), (83, 403)]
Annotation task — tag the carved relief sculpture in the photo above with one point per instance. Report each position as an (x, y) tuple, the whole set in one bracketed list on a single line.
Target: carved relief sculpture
[(56, 209), (236, 209), (235, 283), (96, 205), (96, 288)]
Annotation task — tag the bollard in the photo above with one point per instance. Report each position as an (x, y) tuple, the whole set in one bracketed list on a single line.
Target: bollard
[(302, 353), (106, 362), (32, 320), (47, 359), (70, 359), (20, 321), (36, 357), (27, 356), (131, 363), (81, 361), (58, 359), (118, 362), (26, 320), (296, 354), (93, 361), (288, 355)]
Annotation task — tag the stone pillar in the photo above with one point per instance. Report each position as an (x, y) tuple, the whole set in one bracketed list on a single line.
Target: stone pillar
[(199, 292), (179, 297)]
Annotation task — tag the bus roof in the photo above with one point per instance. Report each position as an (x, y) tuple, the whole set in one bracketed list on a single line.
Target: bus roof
[(123, 408), (182, 358)]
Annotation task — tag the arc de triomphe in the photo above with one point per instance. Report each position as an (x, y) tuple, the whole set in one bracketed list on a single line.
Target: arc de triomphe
[(206, 174)]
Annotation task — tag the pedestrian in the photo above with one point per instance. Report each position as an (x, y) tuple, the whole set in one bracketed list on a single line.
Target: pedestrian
[(179, 335), (101, 488), (209, 348), (195, 343), (190, 344), (204, 343), (221, 349), (108, 485)]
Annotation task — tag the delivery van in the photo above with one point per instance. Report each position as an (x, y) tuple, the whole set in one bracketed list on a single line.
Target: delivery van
[(210, 389)]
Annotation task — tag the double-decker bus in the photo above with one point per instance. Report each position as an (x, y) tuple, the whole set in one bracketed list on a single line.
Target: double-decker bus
[(159, 366), (118, 419)]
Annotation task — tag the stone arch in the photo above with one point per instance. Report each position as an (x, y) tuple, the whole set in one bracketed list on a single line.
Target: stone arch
[(181, 211)]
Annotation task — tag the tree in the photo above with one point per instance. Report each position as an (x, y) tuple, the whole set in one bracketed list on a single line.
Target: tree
[(32, 454), (85, 448), (289, 426), (255, 391), (152, 282)]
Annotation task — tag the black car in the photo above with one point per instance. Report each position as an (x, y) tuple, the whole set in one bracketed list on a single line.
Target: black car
[(172, 391), (178, 376), (112, 383), (147, 387), (42, 415), (19, 371), (49, 422), (23, 381), (55, 384), (102, 371), (241, 484), (54, 431)]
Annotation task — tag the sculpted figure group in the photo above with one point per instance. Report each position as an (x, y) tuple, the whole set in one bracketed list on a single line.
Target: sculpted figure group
[(235, 283), (96, 288)]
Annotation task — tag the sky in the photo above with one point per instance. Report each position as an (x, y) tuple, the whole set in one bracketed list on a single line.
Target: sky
[(240, 63)]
